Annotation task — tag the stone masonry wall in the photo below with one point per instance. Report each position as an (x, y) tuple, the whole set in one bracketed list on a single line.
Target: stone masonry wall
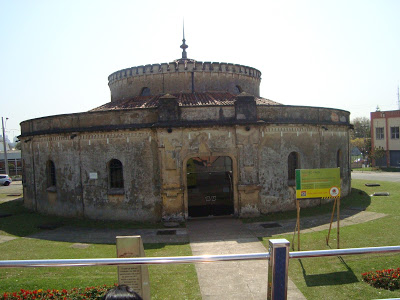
[(76, 194), (179, 78), (154, 159)]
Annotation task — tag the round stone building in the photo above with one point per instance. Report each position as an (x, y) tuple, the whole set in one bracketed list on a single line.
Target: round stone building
[(178, 140)]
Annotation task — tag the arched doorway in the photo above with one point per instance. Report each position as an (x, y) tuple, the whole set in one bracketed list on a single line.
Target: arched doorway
[(210, 186)]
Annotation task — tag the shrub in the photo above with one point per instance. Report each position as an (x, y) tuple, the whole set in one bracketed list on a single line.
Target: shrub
[(385, 279), (75, 293)]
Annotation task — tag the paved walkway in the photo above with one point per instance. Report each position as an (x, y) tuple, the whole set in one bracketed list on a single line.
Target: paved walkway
[(230, 280)]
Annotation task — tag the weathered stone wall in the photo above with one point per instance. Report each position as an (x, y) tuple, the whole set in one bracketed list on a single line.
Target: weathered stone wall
[(139, 118), (154, 157), (138, 154), (66, 198), (317, 148), (75, 194), (92, 121), (180, 78)]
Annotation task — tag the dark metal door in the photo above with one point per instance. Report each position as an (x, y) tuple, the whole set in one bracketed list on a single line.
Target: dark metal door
[(209, 186)]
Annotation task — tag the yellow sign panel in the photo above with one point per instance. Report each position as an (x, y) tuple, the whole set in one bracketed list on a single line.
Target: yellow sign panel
[(317, 183)]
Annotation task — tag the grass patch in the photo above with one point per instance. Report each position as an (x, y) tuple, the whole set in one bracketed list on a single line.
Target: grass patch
[(359, 197), (29, 221), (341, 277), (166, 282)]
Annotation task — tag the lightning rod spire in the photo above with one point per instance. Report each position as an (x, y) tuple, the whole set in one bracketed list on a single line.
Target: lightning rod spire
[(184, 46)]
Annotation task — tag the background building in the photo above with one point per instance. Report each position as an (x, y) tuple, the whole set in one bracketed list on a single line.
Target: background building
[(385, 134), (14, 162)]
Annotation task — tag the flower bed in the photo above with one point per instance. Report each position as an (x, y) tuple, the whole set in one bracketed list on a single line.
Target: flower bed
[(386, 279), (75, 293)]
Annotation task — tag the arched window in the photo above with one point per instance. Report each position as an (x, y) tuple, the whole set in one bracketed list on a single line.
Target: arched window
[(23, 172), (145, 92), (51, 174), (293, 164), (238, 89), (339, 163), (116, 174)]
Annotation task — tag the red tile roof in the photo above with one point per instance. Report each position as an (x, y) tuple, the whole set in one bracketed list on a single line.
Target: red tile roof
[(184, 99)]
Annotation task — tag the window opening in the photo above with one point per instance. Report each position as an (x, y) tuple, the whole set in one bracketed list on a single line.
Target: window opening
[(145, 92), (116, 174), (339, 162), (238, 89), (379, 133), (293, 164), (394, 132), (51, 170)]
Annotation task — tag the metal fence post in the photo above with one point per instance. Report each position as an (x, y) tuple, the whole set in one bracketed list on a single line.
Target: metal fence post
[(278, 269)]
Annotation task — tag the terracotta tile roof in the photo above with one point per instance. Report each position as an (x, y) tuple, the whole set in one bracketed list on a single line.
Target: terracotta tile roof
[(184, 99)]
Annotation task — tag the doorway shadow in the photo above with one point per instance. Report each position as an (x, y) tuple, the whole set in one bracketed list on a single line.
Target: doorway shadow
[(327, 279)]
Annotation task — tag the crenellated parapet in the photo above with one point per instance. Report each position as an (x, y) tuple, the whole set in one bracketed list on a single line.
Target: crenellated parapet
[(183, 76), (184, 66)]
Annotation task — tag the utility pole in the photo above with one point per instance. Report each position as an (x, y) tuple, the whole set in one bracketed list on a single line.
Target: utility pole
[(5, 148)]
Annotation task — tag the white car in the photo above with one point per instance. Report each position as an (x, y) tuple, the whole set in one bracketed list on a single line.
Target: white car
[(5, 179)]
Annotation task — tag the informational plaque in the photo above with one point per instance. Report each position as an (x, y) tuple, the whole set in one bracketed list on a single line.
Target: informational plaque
[(134, 276), (317, 183)]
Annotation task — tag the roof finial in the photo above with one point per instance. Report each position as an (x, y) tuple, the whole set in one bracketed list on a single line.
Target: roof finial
[(184, 46)]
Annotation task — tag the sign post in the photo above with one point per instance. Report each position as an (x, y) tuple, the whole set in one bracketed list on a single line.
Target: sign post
[(318, 184)]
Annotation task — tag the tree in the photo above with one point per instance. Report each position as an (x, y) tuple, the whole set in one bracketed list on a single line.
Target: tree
[(362, 128), (360, 136), (18, 146), (377, 153), (364, 145)]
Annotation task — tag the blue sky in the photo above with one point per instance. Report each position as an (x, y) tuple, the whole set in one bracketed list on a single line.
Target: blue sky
[(56, 55)]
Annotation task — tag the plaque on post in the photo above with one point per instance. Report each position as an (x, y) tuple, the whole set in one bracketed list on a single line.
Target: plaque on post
[(318, 184), (134, 276)]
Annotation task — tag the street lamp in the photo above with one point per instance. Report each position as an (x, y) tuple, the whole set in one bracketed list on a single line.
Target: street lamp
[(5, 147)]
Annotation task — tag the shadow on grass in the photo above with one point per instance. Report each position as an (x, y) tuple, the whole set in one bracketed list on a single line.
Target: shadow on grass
[(311, 217), (335, 278), (16, 220), (356, 201)]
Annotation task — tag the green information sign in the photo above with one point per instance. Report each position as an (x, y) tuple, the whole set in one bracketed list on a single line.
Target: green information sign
[(317, 183)]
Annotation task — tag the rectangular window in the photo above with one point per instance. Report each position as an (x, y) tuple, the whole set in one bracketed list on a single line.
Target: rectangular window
[(394, 132), (379, 133)]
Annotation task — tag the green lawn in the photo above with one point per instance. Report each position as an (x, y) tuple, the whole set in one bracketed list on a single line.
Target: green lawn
[(340, 277), (166, 281), (24, 222), (318, 278)]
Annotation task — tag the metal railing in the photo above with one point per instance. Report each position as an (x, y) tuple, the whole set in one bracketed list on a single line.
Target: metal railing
[(130, 261), (186, 259), (278, 257)]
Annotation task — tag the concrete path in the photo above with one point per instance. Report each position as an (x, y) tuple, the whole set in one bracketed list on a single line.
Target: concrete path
[(230, 280), (376, 176)]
